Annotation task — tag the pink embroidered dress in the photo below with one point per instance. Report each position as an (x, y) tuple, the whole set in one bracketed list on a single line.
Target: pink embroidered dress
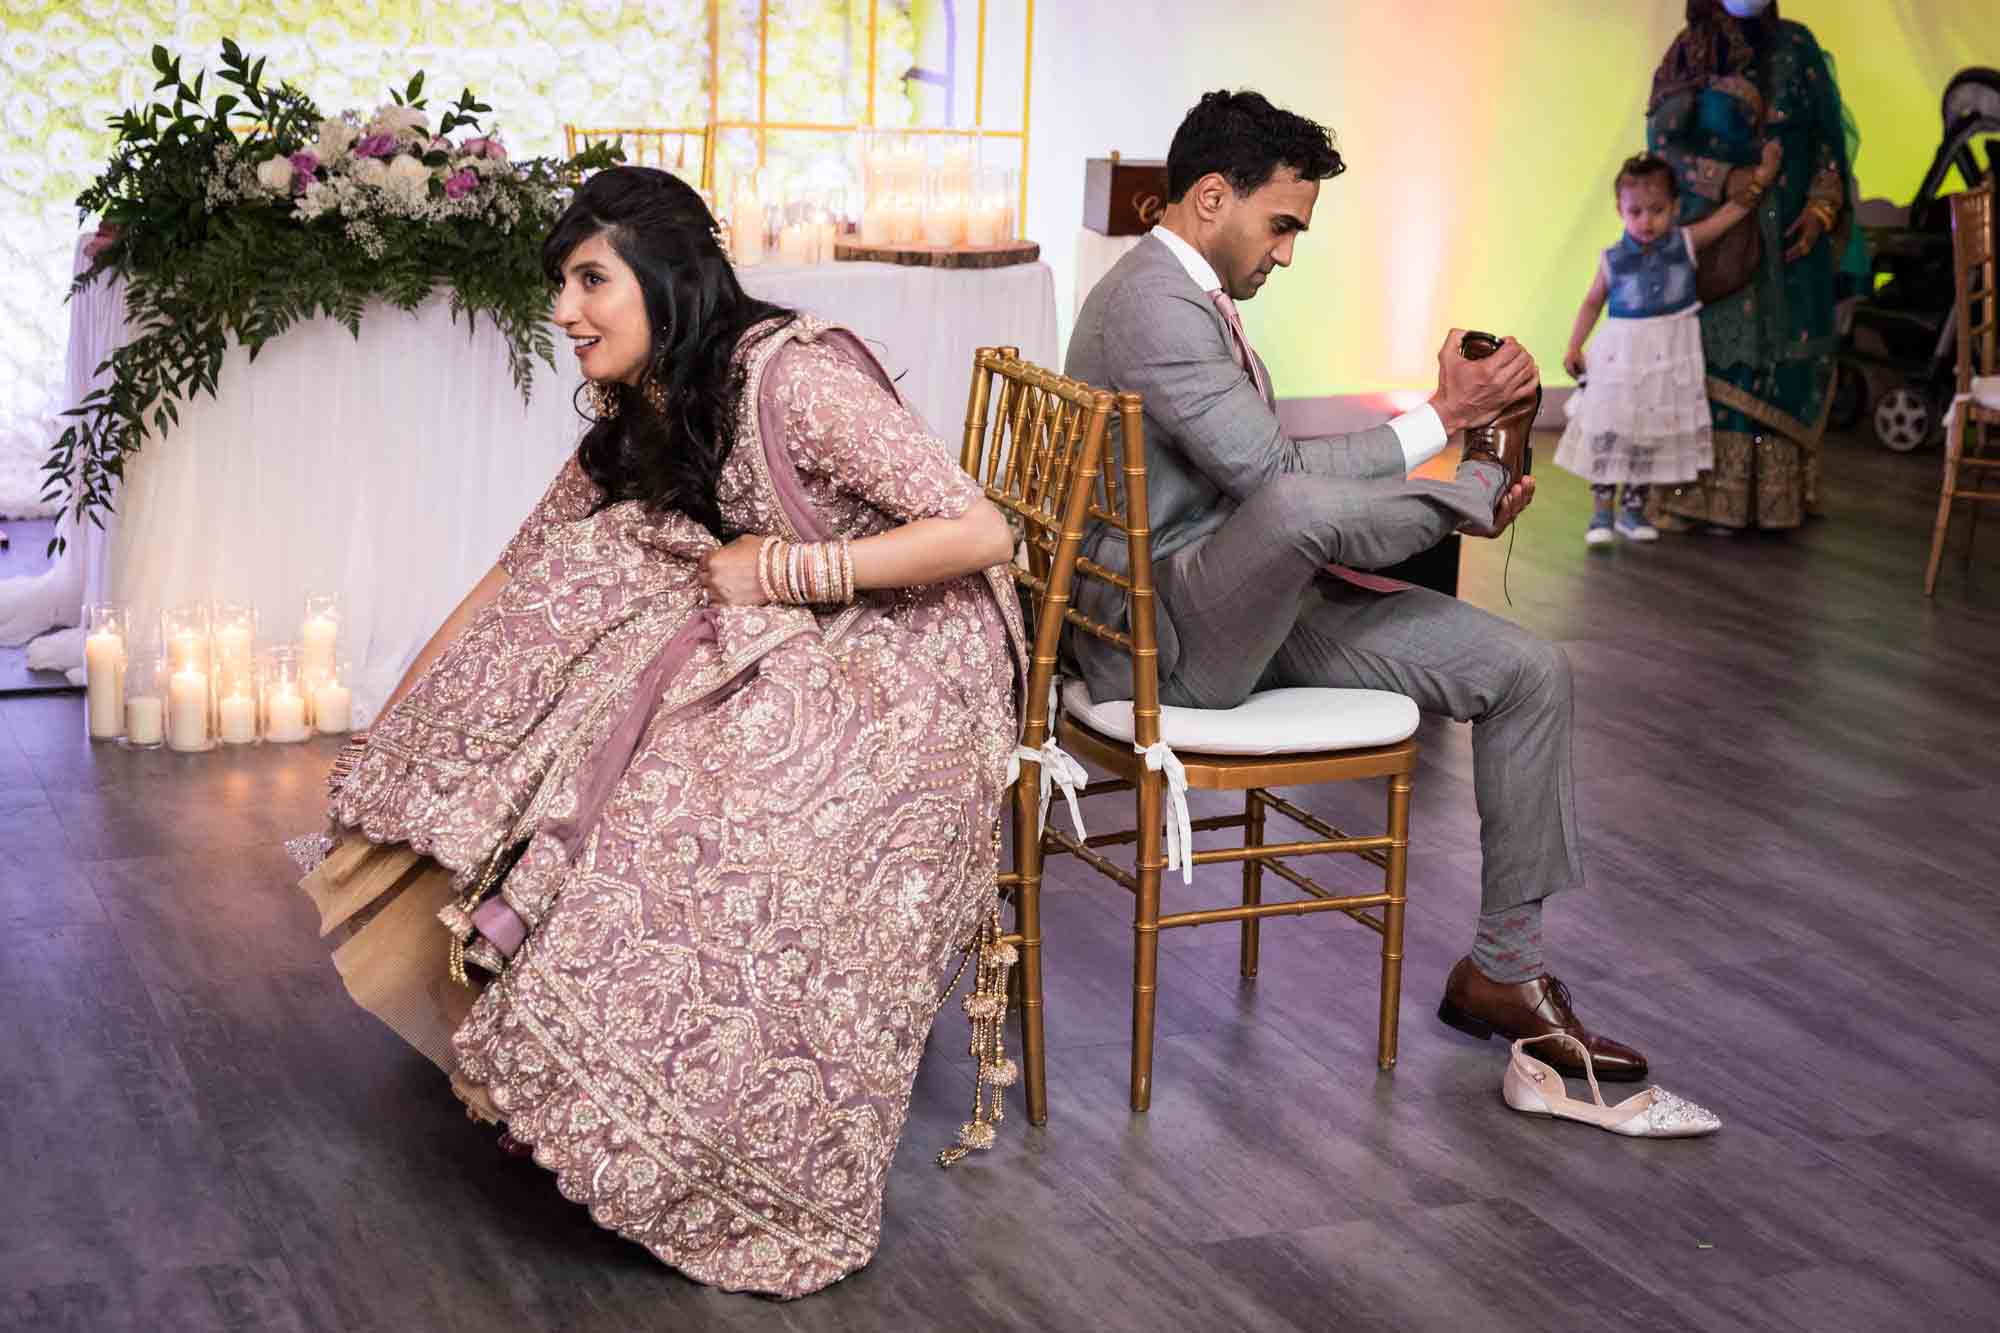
[(741, 845)]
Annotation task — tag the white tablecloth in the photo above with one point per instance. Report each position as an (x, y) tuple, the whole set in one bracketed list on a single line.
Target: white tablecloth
[(393, 468)]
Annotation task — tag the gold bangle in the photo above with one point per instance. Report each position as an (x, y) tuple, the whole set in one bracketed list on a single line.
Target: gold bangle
[(764, 569)]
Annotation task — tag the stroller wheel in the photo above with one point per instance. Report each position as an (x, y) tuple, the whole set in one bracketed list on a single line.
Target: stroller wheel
[(1902, 419)]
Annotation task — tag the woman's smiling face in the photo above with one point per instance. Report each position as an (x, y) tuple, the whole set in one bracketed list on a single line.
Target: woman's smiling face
[(600, 306)]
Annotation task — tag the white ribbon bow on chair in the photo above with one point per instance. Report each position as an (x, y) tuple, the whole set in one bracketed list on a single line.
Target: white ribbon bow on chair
[(1058, 768), (1180, 828)]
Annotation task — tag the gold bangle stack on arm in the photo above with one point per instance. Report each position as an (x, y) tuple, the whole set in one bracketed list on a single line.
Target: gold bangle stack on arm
[(805, 573)]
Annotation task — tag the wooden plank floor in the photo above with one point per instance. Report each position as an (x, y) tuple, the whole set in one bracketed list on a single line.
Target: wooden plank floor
[(1788, 778)]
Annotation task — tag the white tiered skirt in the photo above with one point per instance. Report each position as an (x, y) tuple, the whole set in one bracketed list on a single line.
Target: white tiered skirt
[(1644, 417)]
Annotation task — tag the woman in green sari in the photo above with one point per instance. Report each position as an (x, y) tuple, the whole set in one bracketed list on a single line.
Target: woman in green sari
[(1736, 74)]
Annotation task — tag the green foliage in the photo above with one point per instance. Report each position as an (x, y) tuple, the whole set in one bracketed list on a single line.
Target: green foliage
[(205, 261)]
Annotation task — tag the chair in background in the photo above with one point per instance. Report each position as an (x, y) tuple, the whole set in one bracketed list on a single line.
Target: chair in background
[(665, 147), (1975, 408), (1047, 460)]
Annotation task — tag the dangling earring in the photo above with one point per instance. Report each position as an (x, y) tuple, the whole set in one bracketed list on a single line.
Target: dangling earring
[(603, 399), (655, 394)]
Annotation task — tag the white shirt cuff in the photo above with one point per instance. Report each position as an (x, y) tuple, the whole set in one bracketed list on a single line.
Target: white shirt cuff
[(1421, 434)]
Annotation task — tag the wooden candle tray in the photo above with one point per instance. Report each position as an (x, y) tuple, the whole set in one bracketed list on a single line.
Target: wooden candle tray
[(939, 256)]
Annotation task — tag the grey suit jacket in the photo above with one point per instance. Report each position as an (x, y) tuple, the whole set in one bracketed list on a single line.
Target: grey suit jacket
[(1211, 439)]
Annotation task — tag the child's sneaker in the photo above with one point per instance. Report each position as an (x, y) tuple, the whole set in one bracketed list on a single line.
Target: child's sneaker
[(1634, 528), (1599, 531)]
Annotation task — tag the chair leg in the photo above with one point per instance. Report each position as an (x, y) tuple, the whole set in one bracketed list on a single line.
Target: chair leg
[(1937, 542), (1396, 879), (1028, 969), (1943, 522), (1253, 878), (1146, 939)]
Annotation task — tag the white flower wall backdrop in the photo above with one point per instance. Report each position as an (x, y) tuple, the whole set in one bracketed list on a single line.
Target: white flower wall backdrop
[(71, 65)]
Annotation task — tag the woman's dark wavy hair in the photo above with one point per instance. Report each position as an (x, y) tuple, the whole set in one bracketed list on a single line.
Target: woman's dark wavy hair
[(1247, 139), (667, 460)]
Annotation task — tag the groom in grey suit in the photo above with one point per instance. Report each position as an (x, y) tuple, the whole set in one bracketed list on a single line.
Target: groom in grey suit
[(1248, 520)]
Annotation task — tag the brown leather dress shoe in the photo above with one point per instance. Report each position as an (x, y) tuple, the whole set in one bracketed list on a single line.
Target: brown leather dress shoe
[(1507, 438), (1480, 1007)]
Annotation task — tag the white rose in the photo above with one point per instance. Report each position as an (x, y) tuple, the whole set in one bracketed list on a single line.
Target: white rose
[(335, 138), (408, 171), (370, 171), (398, 120), (275, 175)]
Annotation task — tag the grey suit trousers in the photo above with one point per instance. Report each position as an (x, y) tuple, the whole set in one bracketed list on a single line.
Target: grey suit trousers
[(1255, 610)]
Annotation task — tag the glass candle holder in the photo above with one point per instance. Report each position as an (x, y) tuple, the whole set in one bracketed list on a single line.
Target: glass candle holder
[(233, 639), (104, 660), (284, 697), (319, 637), (145, 695), (190, 677), (237, 706), (333, 702), (749, 220)]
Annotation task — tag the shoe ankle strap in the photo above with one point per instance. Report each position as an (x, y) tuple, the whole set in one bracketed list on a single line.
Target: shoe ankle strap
[(1589, 1066)]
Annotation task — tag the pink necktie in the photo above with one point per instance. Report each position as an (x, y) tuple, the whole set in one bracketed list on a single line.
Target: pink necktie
[(1235, 322), (1371, 582)]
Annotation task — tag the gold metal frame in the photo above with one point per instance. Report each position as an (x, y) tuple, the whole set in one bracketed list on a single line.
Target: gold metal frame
[(765, 126), (1050, 461), (1972, 271)]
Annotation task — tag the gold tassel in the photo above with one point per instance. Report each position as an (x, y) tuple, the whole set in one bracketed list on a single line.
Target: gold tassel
[(986, 1007)]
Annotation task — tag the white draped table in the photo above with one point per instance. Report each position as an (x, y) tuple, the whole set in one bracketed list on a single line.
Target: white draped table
[(392, 468)]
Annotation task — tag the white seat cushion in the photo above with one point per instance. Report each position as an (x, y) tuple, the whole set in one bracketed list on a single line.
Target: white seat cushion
[(1986, 391), (1291, 721)]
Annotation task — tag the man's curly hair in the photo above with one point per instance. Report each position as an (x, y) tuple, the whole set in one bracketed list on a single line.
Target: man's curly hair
[(1247, 139)]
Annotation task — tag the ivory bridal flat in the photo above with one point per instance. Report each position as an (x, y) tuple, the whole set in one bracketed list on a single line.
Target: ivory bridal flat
[(1534, 1088)]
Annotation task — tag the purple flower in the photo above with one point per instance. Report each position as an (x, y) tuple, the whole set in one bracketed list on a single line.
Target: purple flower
[(305, 169), (486, 147), (376, 145), (460, 183)]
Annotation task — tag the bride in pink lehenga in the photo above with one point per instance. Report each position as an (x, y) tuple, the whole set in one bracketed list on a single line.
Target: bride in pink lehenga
[(703, 778)]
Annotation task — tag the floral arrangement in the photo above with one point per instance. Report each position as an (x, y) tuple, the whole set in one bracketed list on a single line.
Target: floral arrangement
[(239, 218)]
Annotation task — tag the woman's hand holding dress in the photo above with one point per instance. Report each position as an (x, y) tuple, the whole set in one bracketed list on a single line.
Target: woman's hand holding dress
[(729, 573)]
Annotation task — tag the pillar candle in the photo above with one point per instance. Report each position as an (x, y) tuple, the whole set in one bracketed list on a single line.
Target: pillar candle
[(239, 719), (288, 717), (187, 710), (143, 716), (795, 244), (982, 227), (317, 638), (824, 239), (333, 708), (104, 663), (942, 224), (746, 234)]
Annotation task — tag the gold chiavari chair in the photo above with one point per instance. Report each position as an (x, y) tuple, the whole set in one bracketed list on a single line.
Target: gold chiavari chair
[(665, 147), (1975, 408), (1040, 466), (1047, 460)]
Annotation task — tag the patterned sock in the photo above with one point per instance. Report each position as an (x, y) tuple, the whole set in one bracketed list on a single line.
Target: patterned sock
[(1507, 947), (1600, 505), (1635, 500)]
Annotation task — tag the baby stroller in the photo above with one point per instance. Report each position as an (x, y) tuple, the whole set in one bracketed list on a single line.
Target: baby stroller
[(1896, 355)]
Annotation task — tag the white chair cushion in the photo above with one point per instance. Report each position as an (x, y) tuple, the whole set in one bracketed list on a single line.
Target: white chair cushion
[(1291, 721), (1986, 391)]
